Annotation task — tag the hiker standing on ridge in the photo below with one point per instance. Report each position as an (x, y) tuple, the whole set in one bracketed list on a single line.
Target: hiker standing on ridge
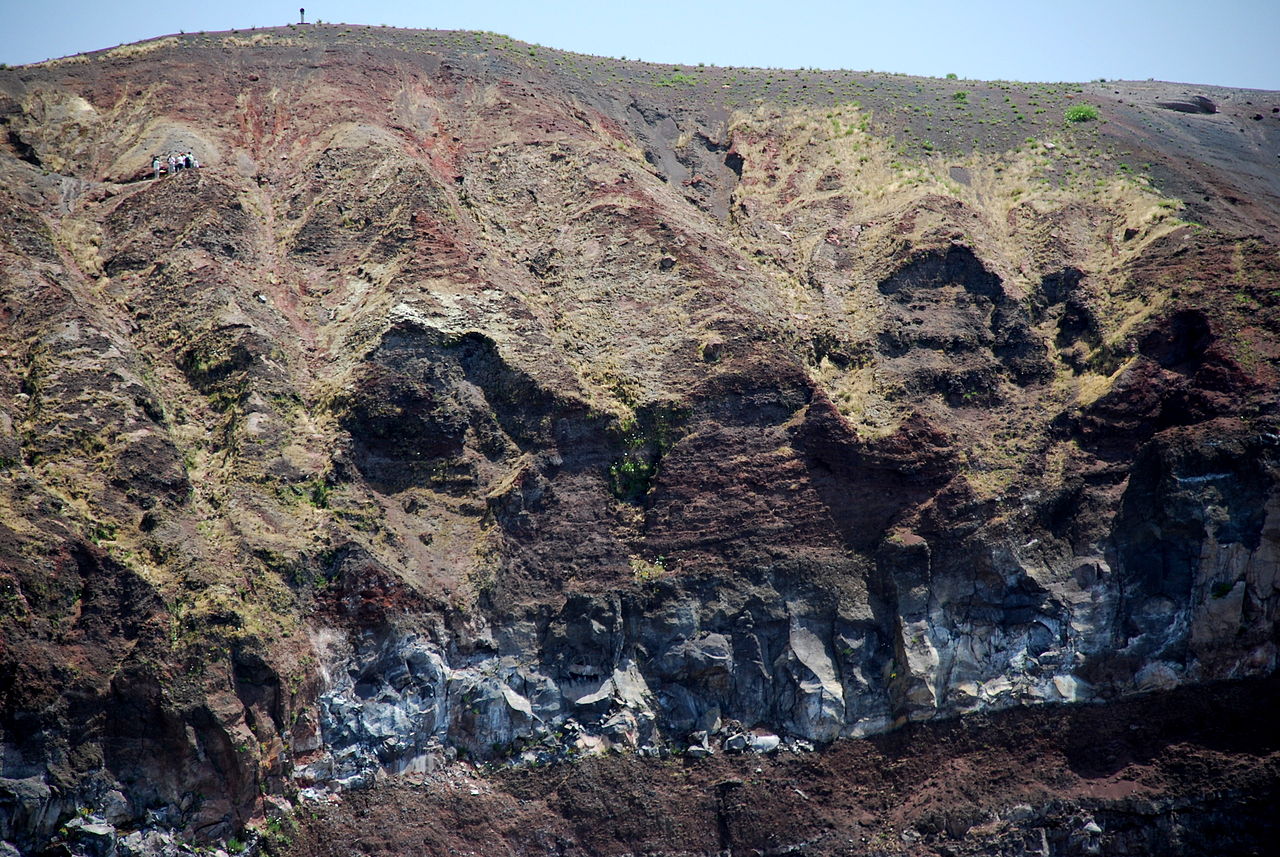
[(302, 16), (155, 166)]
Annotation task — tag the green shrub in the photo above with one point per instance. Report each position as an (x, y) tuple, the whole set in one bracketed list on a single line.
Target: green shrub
[(319, 494), (678, 78), (1081, 113), (647, 572), (630, 478)]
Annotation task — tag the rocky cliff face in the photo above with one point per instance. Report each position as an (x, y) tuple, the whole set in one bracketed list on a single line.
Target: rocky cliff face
[(479, 402)]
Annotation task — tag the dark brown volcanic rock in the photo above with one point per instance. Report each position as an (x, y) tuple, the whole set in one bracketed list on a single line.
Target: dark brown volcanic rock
[(1009, 783), (476, 399)]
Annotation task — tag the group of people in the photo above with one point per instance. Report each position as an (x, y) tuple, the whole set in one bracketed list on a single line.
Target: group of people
[(176, 161)]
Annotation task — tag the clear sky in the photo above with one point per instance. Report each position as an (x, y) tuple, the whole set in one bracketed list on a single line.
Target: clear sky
[(1224, 42)]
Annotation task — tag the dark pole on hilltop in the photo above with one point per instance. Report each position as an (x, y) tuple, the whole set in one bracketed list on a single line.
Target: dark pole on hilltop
[(302, 16)]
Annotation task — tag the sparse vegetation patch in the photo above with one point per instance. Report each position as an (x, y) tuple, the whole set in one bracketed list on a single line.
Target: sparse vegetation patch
[(1081, 113)]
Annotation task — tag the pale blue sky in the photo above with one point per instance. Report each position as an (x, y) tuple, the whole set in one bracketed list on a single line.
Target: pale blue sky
[(1226, 42)]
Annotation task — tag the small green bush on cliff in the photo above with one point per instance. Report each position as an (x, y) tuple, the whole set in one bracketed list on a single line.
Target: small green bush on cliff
[(630, 478), (645, 438), (646, 572), (1081, 113)]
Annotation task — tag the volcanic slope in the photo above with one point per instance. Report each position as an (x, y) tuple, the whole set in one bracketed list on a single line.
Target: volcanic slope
[(475, 400)]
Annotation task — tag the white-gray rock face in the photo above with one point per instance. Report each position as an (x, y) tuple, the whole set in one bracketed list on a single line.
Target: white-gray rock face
[(678, 673)]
